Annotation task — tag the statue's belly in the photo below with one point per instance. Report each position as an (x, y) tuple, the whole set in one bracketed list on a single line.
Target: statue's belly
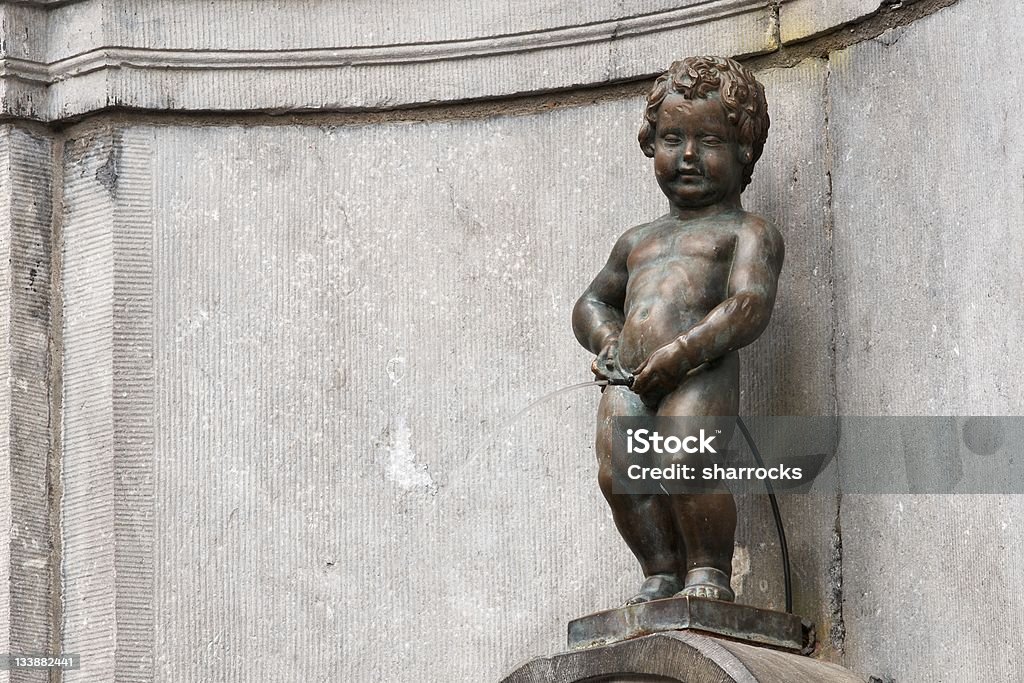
[(650, 325)]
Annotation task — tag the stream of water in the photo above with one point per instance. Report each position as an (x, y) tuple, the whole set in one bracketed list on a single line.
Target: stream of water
[(489, 440)]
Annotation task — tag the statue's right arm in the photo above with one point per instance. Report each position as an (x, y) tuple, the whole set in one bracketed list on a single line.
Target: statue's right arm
[(598, 316)]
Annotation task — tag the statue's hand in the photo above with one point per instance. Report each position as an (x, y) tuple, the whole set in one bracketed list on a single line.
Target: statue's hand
[(661, 372), (606, 365)]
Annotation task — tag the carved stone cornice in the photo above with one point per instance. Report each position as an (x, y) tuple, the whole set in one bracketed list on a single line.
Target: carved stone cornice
[(63, 60)]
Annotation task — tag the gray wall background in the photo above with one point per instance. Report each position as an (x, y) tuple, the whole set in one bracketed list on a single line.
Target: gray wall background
[(276, 375)]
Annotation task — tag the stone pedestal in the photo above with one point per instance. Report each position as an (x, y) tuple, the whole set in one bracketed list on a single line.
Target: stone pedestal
[(729, 619), (684, 639), (683, 656)]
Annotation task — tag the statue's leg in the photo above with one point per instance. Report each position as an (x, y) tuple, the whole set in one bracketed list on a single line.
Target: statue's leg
[(707, 520), (644, 521)]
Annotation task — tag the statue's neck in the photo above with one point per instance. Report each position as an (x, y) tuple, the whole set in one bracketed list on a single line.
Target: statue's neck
[(729, 205)]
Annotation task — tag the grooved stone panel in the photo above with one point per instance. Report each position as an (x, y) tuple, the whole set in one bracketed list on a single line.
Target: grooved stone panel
[(6, 492), (928, 207), (132, 407), (347, 320), (24, 29), (25, 547), (791, 365), (106, 458), (789, 371), (88, 471)]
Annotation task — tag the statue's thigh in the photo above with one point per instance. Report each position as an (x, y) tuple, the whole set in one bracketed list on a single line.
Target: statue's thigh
[(616, 402), (712, 391)]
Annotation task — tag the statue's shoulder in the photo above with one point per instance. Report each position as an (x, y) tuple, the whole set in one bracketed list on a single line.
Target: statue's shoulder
[(760, 226), (756, 223), (763, 232)]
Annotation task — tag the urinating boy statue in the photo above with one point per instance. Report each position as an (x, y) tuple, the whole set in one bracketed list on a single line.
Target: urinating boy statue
[(676, 300)]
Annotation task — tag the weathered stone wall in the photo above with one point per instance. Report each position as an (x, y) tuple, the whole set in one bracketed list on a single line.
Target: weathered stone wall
[(26, 555), (279, 377), (329, 329), (927, 199)]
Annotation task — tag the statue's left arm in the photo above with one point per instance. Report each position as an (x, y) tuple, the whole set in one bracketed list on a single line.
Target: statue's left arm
[(731, 325)]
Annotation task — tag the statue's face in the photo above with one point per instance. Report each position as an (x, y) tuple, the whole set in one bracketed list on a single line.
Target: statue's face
[(696, 157)]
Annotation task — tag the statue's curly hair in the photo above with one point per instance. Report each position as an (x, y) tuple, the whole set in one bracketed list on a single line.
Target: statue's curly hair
[(741, 95)]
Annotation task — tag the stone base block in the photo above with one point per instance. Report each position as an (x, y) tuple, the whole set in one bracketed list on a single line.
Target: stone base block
[(679, 656), (728, 619)]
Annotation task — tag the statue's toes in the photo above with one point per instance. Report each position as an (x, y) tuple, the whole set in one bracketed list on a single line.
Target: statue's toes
[(708, 592)]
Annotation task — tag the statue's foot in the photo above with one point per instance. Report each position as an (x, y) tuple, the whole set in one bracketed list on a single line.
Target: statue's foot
[(708, 582), (656, 587)]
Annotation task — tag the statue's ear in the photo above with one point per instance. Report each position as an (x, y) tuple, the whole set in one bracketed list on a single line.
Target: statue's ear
[(646, 139), (746, 153)]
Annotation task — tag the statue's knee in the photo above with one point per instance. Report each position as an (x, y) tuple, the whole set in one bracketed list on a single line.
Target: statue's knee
[(606, 480)]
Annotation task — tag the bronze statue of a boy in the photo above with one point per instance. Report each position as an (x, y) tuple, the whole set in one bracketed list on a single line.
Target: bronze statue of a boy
[(676, 299)]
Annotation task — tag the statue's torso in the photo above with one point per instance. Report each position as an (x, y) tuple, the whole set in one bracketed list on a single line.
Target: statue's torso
[(678, 272)]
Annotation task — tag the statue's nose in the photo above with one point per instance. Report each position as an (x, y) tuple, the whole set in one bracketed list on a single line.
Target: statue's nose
[(690, 150)]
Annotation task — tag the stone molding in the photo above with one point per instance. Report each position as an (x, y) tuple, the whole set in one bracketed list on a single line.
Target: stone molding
[(66, 59), (803, 19)]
